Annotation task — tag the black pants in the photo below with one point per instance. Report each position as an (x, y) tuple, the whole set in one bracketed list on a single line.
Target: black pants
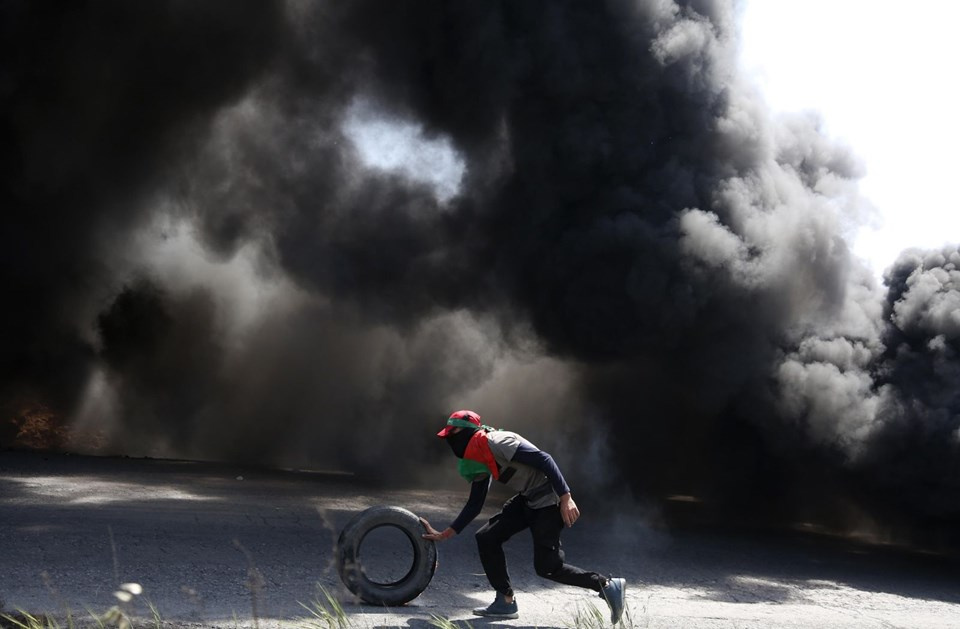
[(545, 525)]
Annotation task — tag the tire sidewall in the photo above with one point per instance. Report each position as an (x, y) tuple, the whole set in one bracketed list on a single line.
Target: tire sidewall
[(350, 568)]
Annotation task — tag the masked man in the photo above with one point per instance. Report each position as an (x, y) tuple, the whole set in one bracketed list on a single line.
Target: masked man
[(543, 504)]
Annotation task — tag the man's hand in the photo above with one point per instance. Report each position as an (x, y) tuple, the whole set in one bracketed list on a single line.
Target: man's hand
[(568, 510), (434, 535)]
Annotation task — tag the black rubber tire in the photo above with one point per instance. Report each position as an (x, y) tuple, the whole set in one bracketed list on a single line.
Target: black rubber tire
[(348, 557)]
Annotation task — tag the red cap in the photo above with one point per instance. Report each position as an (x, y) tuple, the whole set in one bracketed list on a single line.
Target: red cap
[(460, 419)]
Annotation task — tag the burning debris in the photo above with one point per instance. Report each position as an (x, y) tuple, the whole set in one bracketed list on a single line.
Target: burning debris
[(294, 232), (35, 427)]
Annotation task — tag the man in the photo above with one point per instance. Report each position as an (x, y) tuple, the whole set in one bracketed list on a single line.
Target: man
[(543, 504)]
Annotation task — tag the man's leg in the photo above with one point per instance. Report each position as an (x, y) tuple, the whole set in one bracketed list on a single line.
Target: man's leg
[(490, 539), (545, 526)]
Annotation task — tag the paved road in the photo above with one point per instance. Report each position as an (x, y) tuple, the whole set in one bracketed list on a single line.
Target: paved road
[(211, 549)]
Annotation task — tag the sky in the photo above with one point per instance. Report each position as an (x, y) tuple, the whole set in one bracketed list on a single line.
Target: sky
[(882, 75)]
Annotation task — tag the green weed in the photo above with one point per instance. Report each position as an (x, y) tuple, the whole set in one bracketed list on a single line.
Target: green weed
[(445, 623), (326, 612), (26, 620), (587, 617)]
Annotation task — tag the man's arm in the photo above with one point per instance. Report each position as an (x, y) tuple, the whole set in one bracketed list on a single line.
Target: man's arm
[(528, 454), (478, 495)]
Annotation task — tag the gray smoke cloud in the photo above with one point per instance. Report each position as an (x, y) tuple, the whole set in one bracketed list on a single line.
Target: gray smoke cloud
[(301, 233)]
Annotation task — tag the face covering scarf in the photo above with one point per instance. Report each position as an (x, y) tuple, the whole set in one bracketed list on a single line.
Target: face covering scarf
[(458, 441)]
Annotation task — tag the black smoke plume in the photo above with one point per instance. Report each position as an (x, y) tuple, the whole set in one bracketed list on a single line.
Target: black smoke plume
[(592, 230)]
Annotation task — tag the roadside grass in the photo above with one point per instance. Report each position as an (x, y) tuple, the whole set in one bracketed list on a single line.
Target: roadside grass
[(26, 620), (445, 623), (589, 616), (119, 615), (325, 612)]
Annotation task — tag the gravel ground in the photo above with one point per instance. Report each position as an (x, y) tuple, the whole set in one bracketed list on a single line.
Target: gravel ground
[(215, 545)]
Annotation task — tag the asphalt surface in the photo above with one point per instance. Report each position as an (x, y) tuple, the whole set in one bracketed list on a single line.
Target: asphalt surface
[(215, 545)]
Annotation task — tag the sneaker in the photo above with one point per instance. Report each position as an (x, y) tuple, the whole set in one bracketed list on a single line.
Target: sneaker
[(615, 594), (499, 608)]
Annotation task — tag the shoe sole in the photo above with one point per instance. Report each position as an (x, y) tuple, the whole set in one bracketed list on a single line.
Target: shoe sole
[(477, 612)]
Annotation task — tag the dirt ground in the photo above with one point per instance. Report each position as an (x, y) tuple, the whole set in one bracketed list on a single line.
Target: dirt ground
[(214, 545)]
